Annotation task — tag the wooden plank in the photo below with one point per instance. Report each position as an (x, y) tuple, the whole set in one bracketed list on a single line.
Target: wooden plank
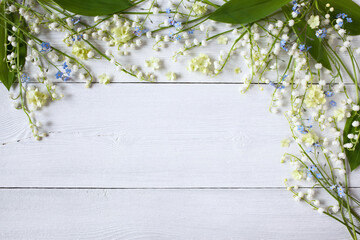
[(161, 215), (147, 136), (129, 135)]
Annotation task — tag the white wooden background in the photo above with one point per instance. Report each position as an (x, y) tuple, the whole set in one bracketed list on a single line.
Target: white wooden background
[(191, 159)]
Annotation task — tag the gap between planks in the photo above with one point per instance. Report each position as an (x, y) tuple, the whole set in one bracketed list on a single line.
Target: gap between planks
[(154, 188), (185, 83)]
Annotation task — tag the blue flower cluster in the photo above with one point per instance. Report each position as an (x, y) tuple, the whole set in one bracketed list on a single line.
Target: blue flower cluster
[(333, 103), (25, 78), (321, 33), (60, 74), (176, 24), (45, 47), (313, 170), (339, 189), (344, 16), (75, 20), (77, 37), (171, 20), (278, 85), (283, 45), (303, 48), (296, 7), (329, 93), (172, 35), (302, 130), (138, 31)]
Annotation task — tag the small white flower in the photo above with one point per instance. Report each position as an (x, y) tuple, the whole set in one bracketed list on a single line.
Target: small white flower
[(138, 42), (153, 63), (12, 8), (139, 75), (75, 68), (279, 24), (356, 108), (222, 40), (90, 54), (108, 53), (311, 192), (155, 10), (346, 44), (342, 32), (318, 66), (104, 79), (355, 123), (342, 172), (314, 21), (171, 76), (320, 211)]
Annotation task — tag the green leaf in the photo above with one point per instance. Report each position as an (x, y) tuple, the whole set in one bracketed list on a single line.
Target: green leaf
[(22, 45), (353, 155), (308, 36), (6, 77), (343, 6), (94, 7), (246, 11)]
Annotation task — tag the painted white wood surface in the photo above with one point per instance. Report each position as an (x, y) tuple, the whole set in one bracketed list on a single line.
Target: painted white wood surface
[(176, 160), (160, 215), (172, 140), (148, 135)]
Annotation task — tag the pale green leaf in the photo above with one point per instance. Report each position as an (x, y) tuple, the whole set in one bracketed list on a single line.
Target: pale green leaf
[(6, 77), (94, 7), (352, 155), (246, 11)]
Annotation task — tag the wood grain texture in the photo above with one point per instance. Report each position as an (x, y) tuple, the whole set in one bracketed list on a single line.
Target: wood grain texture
[(147, 136), (130, 135), (161, 215), (159, 145)]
